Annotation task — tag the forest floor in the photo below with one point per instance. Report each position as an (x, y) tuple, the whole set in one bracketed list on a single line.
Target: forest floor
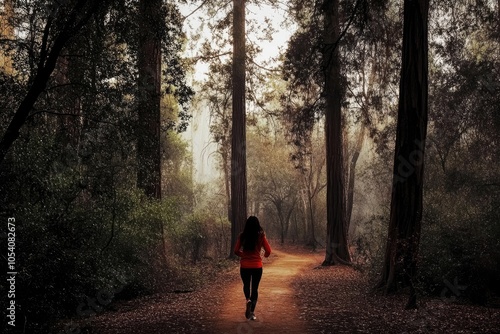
[(296, 295)]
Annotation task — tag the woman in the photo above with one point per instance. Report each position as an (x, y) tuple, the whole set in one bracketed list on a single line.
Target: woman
[(248, 246)]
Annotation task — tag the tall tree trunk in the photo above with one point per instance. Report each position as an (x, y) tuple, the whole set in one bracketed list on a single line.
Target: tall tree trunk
[(149, 65), (227, 182), (238, 141), (400, 262), (69, 75), (303, 195), (312, 234), (289, 216), (337, 251), (309, 209), (351, 180)]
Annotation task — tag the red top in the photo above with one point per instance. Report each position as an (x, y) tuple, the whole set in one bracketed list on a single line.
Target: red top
[(252, 259)]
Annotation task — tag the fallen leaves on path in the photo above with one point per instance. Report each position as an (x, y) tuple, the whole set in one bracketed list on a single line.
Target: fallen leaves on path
[(338, 299), (334, 299), (191, 312)]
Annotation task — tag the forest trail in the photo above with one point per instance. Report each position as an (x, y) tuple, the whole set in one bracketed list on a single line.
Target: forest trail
[(296, 295), (277, 310), (218, 307)]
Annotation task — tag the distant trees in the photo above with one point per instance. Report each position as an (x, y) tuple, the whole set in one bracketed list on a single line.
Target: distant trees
[(313, 184), (400, 262), (217, 93), (318, 88), (242, 81), (274, 189)]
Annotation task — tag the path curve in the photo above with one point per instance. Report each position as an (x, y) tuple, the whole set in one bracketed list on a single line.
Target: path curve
[(277, 310)]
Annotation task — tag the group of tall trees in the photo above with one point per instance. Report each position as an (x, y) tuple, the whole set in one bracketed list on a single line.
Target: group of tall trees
[(95, 93), (411, 130), (348, 37), (406, 205)]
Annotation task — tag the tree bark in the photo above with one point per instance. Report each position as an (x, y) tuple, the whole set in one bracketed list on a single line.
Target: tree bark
[(227, 181), (400, 262), (352, 178), (149, 89), (238, 140), (337, 251), (312, 234)]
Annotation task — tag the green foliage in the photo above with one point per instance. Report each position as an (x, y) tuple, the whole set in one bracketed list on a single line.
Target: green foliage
[(192, 238), (79, 229), (460, 230), (69, 180), (460, 233), (203, 234), (367, 243), (464, 251)]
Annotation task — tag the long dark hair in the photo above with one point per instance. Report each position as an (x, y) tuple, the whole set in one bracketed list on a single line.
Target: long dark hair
[(251, 233)]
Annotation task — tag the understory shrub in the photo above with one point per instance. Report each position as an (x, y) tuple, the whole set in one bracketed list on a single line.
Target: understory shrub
[(461, 258), (81, 228)]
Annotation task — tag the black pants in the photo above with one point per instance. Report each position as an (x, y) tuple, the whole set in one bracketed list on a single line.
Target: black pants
[(254, 275)]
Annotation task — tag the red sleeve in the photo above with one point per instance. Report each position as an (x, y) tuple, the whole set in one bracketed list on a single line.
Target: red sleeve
[(237, 247), (267, 247)]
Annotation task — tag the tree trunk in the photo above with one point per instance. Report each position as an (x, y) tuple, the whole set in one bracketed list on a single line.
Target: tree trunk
[(337, 251), (149, 88), (303, 195), (6, 32), (312, 234), (400, 262), (289, 216), (227, 182), (279, 212), (69, 74), (238, 140), (351, 179), (307, 197)]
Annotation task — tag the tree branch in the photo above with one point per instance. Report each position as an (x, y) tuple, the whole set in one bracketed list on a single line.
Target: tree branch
[(195, 10), (47, 64)]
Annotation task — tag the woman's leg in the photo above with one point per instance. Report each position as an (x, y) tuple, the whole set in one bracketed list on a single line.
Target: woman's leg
[(256, 276), (246, 275)]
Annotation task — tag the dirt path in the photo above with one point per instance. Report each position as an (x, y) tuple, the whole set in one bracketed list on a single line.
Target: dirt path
[(217, 308), (277, 310), (293, 298)]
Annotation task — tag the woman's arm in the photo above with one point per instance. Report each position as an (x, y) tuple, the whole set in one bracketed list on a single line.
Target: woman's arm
[(237, 247), (267, 247)]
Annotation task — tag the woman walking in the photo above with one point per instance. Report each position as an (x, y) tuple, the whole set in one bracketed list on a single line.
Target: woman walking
[(248, 246)]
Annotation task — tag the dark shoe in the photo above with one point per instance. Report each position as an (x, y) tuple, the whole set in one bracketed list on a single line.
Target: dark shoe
[(248, 310)]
